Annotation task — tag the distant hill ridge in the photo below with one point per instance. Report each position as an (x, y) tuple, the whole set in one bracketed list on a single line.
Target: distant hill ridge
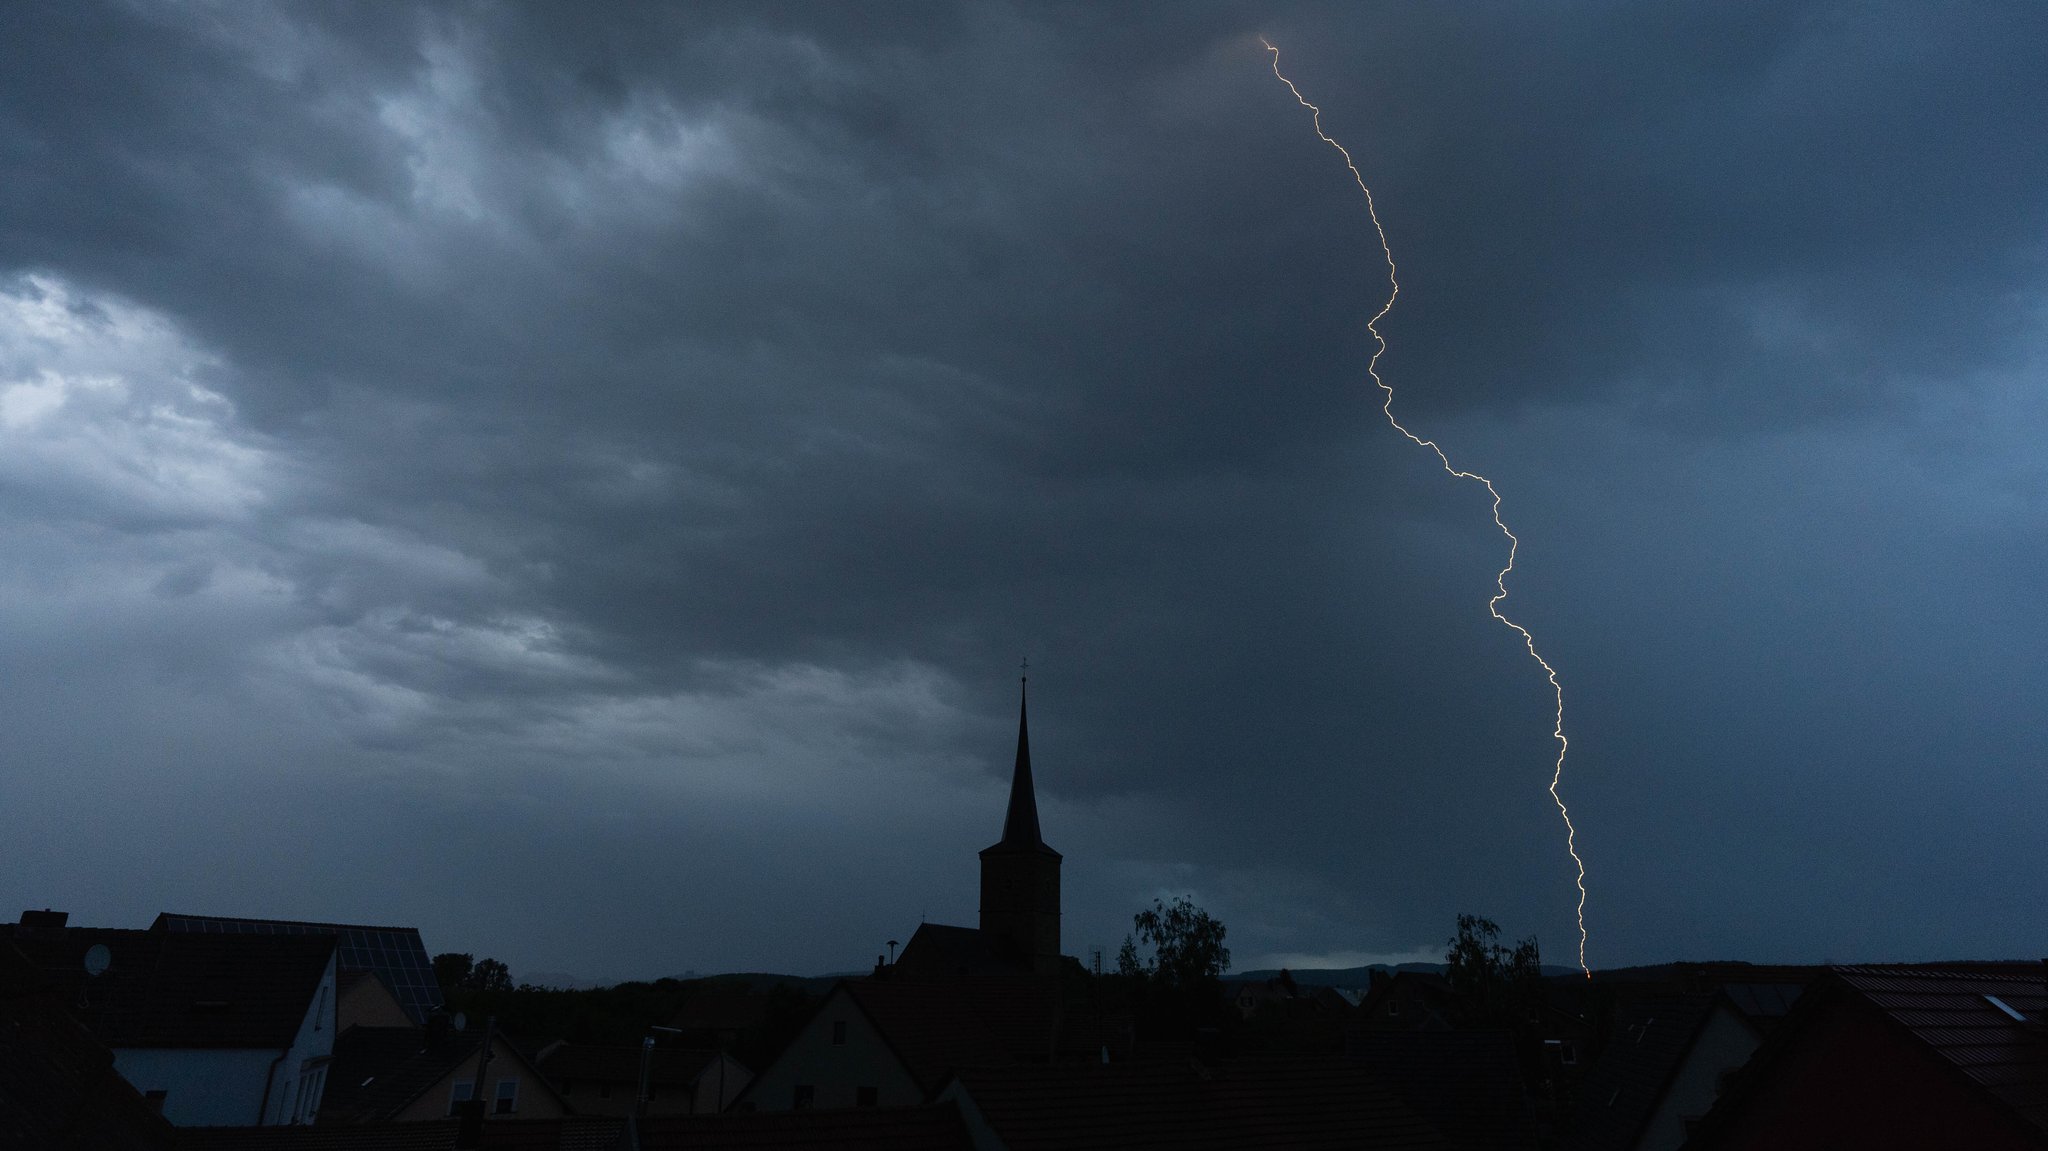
[(1357, 976)]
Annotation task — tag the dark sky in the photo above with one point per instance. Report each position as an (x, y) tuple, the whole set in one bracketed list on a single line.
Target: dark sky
[(582, 482)]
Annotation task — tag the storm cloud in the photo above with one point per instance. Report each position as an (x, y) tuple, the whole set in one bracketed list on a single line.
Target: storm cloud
[(583, 483)]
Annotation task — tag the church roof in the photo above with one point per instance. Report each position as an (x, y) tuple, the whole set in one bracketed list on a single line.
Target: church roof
[(1020, 822)]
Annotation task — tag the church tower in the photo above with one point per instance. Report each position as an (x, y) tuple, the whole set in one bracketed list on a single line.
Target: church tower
[(1020, 875)]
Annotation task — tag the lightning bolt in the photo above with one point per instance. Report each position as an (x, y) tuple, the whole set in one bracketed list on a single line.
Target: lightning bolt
[(1500, 581)]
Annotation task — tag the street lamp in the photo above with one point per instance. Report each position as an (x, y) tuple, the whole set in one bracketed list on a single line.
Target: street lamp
[(647, 1058)]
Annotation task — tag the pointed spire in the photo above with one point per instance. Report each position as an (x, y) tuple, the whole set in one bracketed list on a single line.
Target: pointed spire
[(1020, 824)]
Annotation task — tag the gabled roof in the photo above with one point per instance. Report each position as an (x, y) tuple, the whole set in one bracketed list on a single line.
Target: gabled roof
[(1302, 1102), (933, 1128), (1945, 1010), (1950, 1012), (396, 954), (1468, 1084), (942, 949), (378, 1072), (161, 990), (935, 1026), (58, 1086), (938, 1026), (1649, 1041), (668, 1066), (1428, 988)]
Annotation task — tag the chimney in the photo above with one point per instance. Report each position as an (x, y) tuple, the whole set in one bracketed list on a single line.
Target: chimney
[(44, 924), (469, 1126)]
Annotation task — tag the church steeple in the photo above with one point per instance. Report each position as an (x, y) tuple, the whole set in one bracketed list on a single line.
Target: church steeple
[(1020, 823), (1020, 874)]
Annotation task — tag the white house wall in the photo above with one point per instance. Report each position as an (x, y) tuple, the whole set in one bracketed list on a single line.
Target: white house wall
[(202, 1086), (311, 1048), (1724, 1044), (208, 1086)]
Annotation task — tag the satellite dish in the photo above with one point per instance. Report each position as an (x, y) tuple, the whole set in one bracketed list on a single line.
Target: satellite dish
[(461, 1021), (98, 959)]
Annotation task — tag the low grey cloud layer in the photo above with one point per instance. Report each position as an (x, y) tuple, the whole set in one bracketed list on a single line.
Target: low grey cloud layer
[(582, 483)]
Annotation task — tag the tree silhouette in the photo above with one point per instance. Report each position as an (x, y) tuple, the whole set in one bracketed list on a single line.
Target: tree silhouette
[(1487, 978), (1187, 945)]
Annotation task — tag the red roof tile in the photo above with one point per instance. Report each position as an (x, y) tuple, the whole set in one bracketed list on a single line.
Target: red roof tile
[(1267, 1103), (1950, 1011)]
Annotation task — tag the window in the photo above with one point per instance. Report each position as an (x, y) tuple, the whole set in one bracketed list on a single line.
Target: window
[(464, 1088), (310, 1086), (864, 1096), (803, 1097), (839, 1033), (508, 1096)]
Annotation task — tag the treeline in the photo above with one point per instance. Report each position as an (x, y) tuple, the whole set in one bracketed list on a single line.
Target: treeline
[(749, 1016)]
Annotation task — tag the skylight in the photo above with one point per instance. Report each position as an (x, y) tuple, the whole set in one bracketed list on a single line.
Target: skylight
[(2002, 1005)]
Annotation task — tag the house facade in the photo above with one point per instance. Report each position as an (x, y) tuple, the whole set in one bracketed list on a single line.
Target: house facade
[(212, 1030)]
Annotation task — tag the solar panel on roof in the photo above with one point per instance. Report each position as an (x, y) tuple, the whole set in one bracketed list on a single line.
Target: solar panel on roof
[(395, 954)]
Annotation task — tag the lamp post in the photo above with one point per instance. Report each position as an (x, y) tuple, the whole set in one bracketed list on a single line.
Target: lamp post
[(647, 1059)]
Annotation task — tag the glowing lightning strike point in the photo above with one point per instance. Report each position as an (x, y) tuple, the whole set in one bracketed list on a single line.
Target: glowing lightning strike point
[(1500, 581)]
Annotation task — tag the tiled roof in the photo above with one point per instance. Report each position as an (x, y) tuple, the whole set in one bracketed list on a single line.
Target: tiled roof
[(1650, 1038), (937, 1026), (1763, 1003), (678, 1066), (1428, 991), (432, 1136), (1950, 1011), (1272, 1103), (935, 1128), (943, 949), (162, 990), (58, 1086), (378, 1071), (396, 954), (1468, 1084), (932, 1128), (1763, 993), (573, 1133)]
